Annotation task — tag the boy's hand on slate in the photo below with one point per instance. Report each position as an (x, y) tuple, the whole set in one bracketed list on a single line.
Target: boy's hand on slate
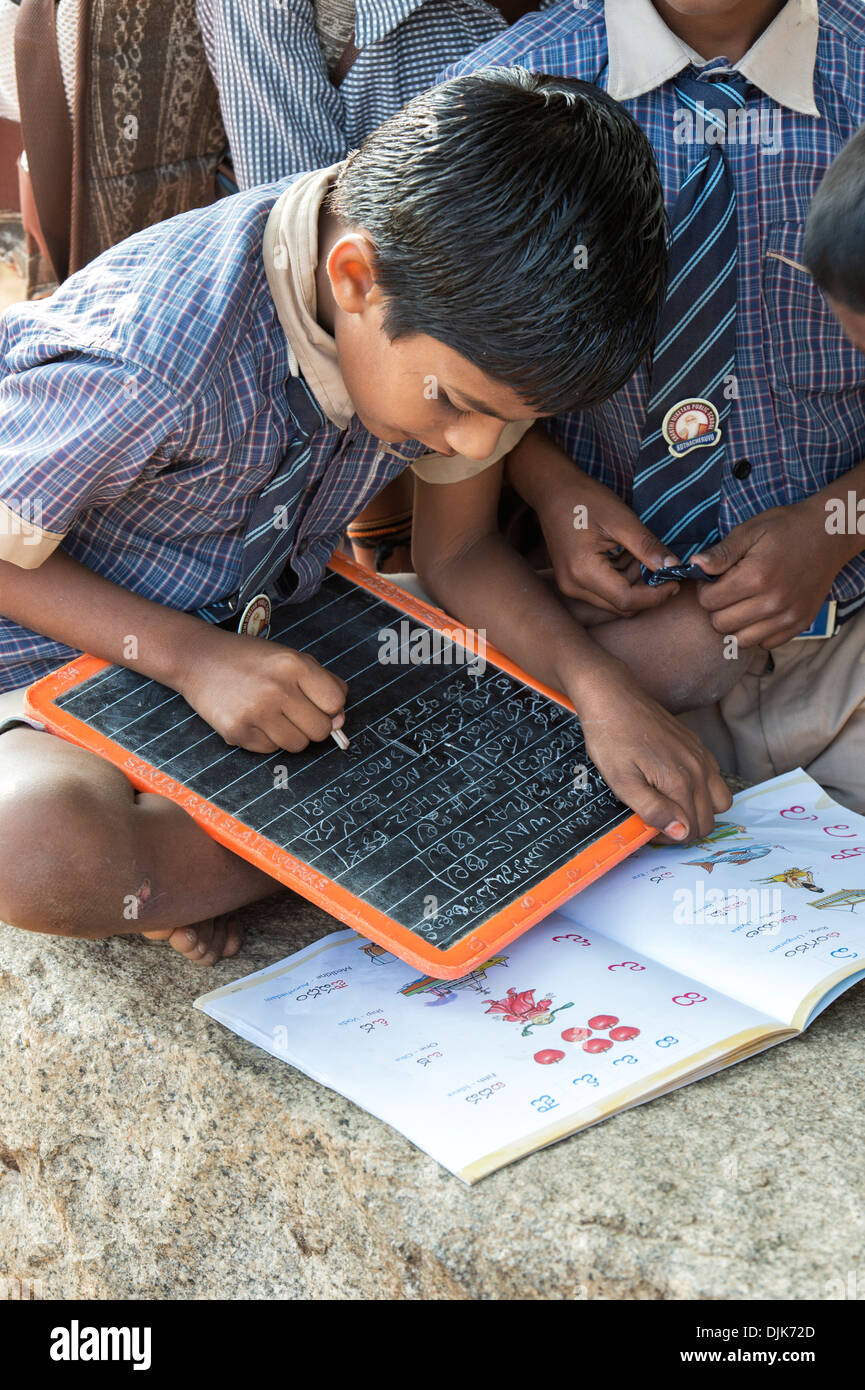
[(776, 571), (261, 696), (597, 544), (652, 762)]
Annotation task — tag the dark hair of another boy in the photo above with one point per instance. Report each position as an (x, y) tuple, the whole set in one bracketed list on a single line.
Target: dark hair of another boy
[(835, 232)]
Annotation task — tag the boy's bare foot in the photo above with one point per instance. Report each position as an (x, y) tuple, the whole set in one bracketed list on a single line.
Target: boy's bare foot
[(206, 942)]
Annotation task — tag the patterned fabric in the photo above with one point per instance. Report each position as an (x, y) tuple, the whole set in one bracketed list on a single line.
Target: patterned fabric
[(677, 486), (151, 136), (146, 409), (147, 133), (334, 24), (282, 113), (799, 421)]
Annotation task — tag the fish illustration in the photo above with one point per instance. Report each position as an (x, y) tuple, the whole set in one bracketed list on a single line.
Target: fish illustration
[(736, 854)]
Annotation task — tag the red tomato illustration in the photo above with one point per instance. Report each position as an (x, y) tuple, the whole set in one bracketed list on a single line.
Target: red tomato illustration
[(597, 1045), (624, 1034), (548, 1055), (576, 1034), (603, 1021)]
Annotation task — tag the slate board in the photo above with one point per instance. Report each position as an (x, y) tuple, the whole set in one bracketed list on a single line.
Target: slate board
[(455, 800)]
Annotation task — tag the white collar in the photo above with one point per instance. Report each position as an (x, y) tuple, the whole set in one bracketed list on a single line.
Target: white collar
[(644, 53)]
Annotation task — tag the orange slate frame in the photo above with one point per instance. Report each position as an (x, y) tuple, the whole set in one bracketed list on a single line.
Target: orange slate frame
[(449, 964)]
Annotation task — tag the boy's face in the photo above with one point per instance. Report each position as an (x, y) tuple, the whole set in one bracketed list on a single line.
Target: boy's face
[(853, 323), (714, 27), (413, 387), (417, 388), (705, 9)]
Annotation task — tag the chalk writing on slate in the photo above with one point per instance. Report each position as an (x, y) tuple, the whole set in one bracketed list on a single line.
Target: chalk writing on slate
[(458, 793)]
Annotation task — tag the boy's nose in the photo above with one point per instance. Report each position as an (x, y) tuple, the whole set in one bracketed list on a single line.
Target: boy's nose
[(475, 438)]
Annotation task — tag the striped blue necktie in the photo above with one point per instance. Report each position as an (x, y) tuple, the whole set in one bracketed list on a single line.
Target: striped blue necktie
[(677, 482), (266, 546)]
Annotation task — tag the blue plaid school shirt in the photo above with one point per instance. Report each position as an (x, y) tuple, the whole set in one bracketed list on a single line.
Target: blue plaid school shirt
[(281, 111), (145, 405), (799, 419)]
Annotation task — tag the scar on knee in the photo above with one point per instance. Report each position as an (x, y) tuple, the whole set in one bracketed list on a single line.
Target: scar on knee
[(135, 904)]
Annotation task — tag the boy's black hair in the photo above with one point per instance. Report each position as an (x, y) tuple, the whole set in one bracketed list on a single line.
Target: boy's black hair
[(835, 230), (478, 196)]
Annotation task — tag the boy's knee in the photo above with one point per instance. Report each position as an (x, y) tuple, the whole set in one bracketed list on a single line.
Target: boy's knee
[(675, 653), (57, 834), (712, 663)]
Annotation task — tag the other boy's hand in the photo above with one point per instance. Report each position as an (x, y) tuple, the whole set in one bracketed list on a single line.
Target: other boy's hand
[(597, 544), (776, 571), (261, 696), (651, 761)]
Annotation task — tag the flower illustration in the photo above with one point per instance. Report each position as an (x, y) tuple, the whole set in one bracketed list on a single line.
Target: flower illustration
[(522, 1007)]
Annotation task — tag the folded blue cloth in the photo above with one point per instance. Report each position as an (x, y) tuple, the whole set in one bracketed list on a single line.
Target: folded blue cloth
[(669, 572)]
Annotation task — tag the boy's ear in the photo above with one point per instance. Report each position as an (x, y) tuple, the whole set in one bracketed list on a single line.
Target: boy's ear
[(351, 271)]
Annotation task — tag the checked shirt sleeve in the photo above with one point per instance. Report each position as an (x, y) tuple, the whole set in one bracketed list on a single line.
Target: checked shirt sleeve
[(281, 112), (74, 433)]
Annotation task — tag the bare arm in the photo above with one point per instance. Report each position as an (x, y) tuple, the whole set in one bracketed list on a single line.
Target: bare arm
[(64, 600), (597, 545), (469, 568), (583, 521), (255, 694)]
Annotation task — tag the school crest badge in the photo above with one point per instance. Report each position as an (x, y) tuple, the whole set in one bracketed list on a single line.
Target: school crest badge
[(255, 619), (693, 424)]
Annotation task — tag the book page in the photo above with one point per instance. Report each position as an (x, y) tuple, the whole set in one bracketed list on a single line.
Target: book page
[(556, 1032), (769, 907)]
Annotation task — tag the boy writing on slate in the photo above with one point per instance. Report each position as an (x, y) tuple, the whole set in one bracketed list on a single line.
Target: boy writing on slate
[(187, 425), (300, 84), (748, 419)]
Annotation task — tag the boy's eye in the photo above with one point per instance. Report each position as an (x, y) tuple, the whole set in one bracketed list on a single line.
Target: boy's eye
[(443, 396)]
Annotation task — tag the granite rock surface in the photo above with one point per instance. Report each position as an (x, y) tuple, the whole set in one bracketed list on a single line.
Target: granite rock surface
[(145, 1152)]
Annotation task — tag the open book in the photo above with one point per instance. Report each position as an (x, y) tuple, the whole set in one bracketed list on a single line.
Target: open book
[(678, 963)]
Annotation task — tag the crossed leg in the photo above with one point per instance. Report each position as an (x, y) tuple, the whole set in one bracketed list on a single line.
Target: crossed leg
[(86, 855)]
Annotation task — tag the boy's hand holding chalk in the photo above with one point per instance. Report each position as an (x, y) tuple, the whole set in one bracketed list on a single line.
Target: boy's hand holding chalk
[(262, 696)]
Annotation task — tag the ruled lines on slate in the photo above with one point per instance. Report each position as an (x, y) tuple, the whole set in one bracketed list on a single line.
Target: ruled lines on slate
[(455, 798)]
